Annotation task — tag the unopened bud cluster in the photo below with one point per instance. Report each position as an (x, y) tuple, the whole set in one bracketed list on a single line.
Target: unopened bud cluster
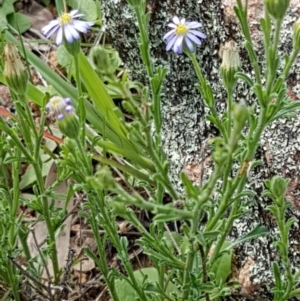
[(15, 73), (62, 109)]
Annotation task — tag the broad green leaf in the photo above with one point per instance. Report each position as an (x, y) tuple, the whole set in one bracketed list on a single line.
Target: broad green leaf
[(222, 266), (63, 57), (86, 7), (97, 91), (6, 8), (19, 22)]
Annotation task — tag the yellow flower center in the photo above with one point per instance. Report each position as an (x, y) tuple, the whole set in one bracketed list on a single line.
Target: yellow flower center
[(65, 19), (181, 29)]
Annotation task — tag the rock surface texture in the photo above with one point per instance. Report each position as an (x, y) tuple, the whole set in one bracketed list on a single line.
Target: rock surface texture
[(186, 131)]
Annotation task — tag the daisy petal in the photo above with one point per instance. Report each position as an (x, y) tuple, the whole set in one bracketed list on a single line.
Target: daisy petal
[(169, 34), (176, 20), (178, 50), (60, 116), (178, 41), (194, 38), (189, 44), (81, 25), (73, 31), (182, 21), (49, 27), (68, 34), (73, 12), (52, 31), (69, 109), (193, 24), (59, 36), (172, 25), (171, 43), (198, 33)]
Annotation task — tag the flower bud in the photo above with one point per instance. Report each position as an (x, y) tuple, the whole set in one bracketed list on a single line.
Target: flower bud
[(277, 188), (221, 153), (106, 61), (230, 64), (296, 35), (15, 73), (277, 8), (240, 117), (63, 111)]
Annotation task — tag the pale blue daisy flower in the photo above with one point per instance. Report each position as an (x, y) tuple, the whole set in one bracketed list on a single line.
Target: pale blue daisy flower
[(182, 34), (60, 107), (66, 27), (66, 119)]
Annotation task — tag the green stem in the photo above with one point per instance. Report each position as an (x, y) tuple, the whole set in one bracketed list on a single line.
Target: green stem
[(290, 62), (229, 110), (81, 106), (162, 171), (83, 157), (102, 262), (146, 57), (16, 140), (246, 31), (138, 201), (48, 220), (204, 92), (110, 227), (14, 283), (239, 179), (194, 228), (281, 221), (271, 71)]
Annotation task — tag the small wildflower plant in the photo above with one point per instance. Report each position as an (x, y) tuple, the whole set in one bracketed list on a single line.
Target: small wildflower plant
[(112, 156)]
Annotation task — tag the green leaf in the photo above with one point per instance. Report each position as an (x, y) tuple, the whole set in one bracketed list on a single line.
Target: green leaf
[(295, 292), (222, 266), (176, 237), (29, 178), (256, 232), (86, 7), (6, 8), (63, 57), (126, 292), (131, 155), (106, 109), (19, 22), (277, 275)]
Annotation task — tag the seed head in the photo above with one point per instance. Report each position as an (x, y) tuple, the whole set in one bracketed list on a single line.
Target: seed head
[(15, 73), (231, 63)]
